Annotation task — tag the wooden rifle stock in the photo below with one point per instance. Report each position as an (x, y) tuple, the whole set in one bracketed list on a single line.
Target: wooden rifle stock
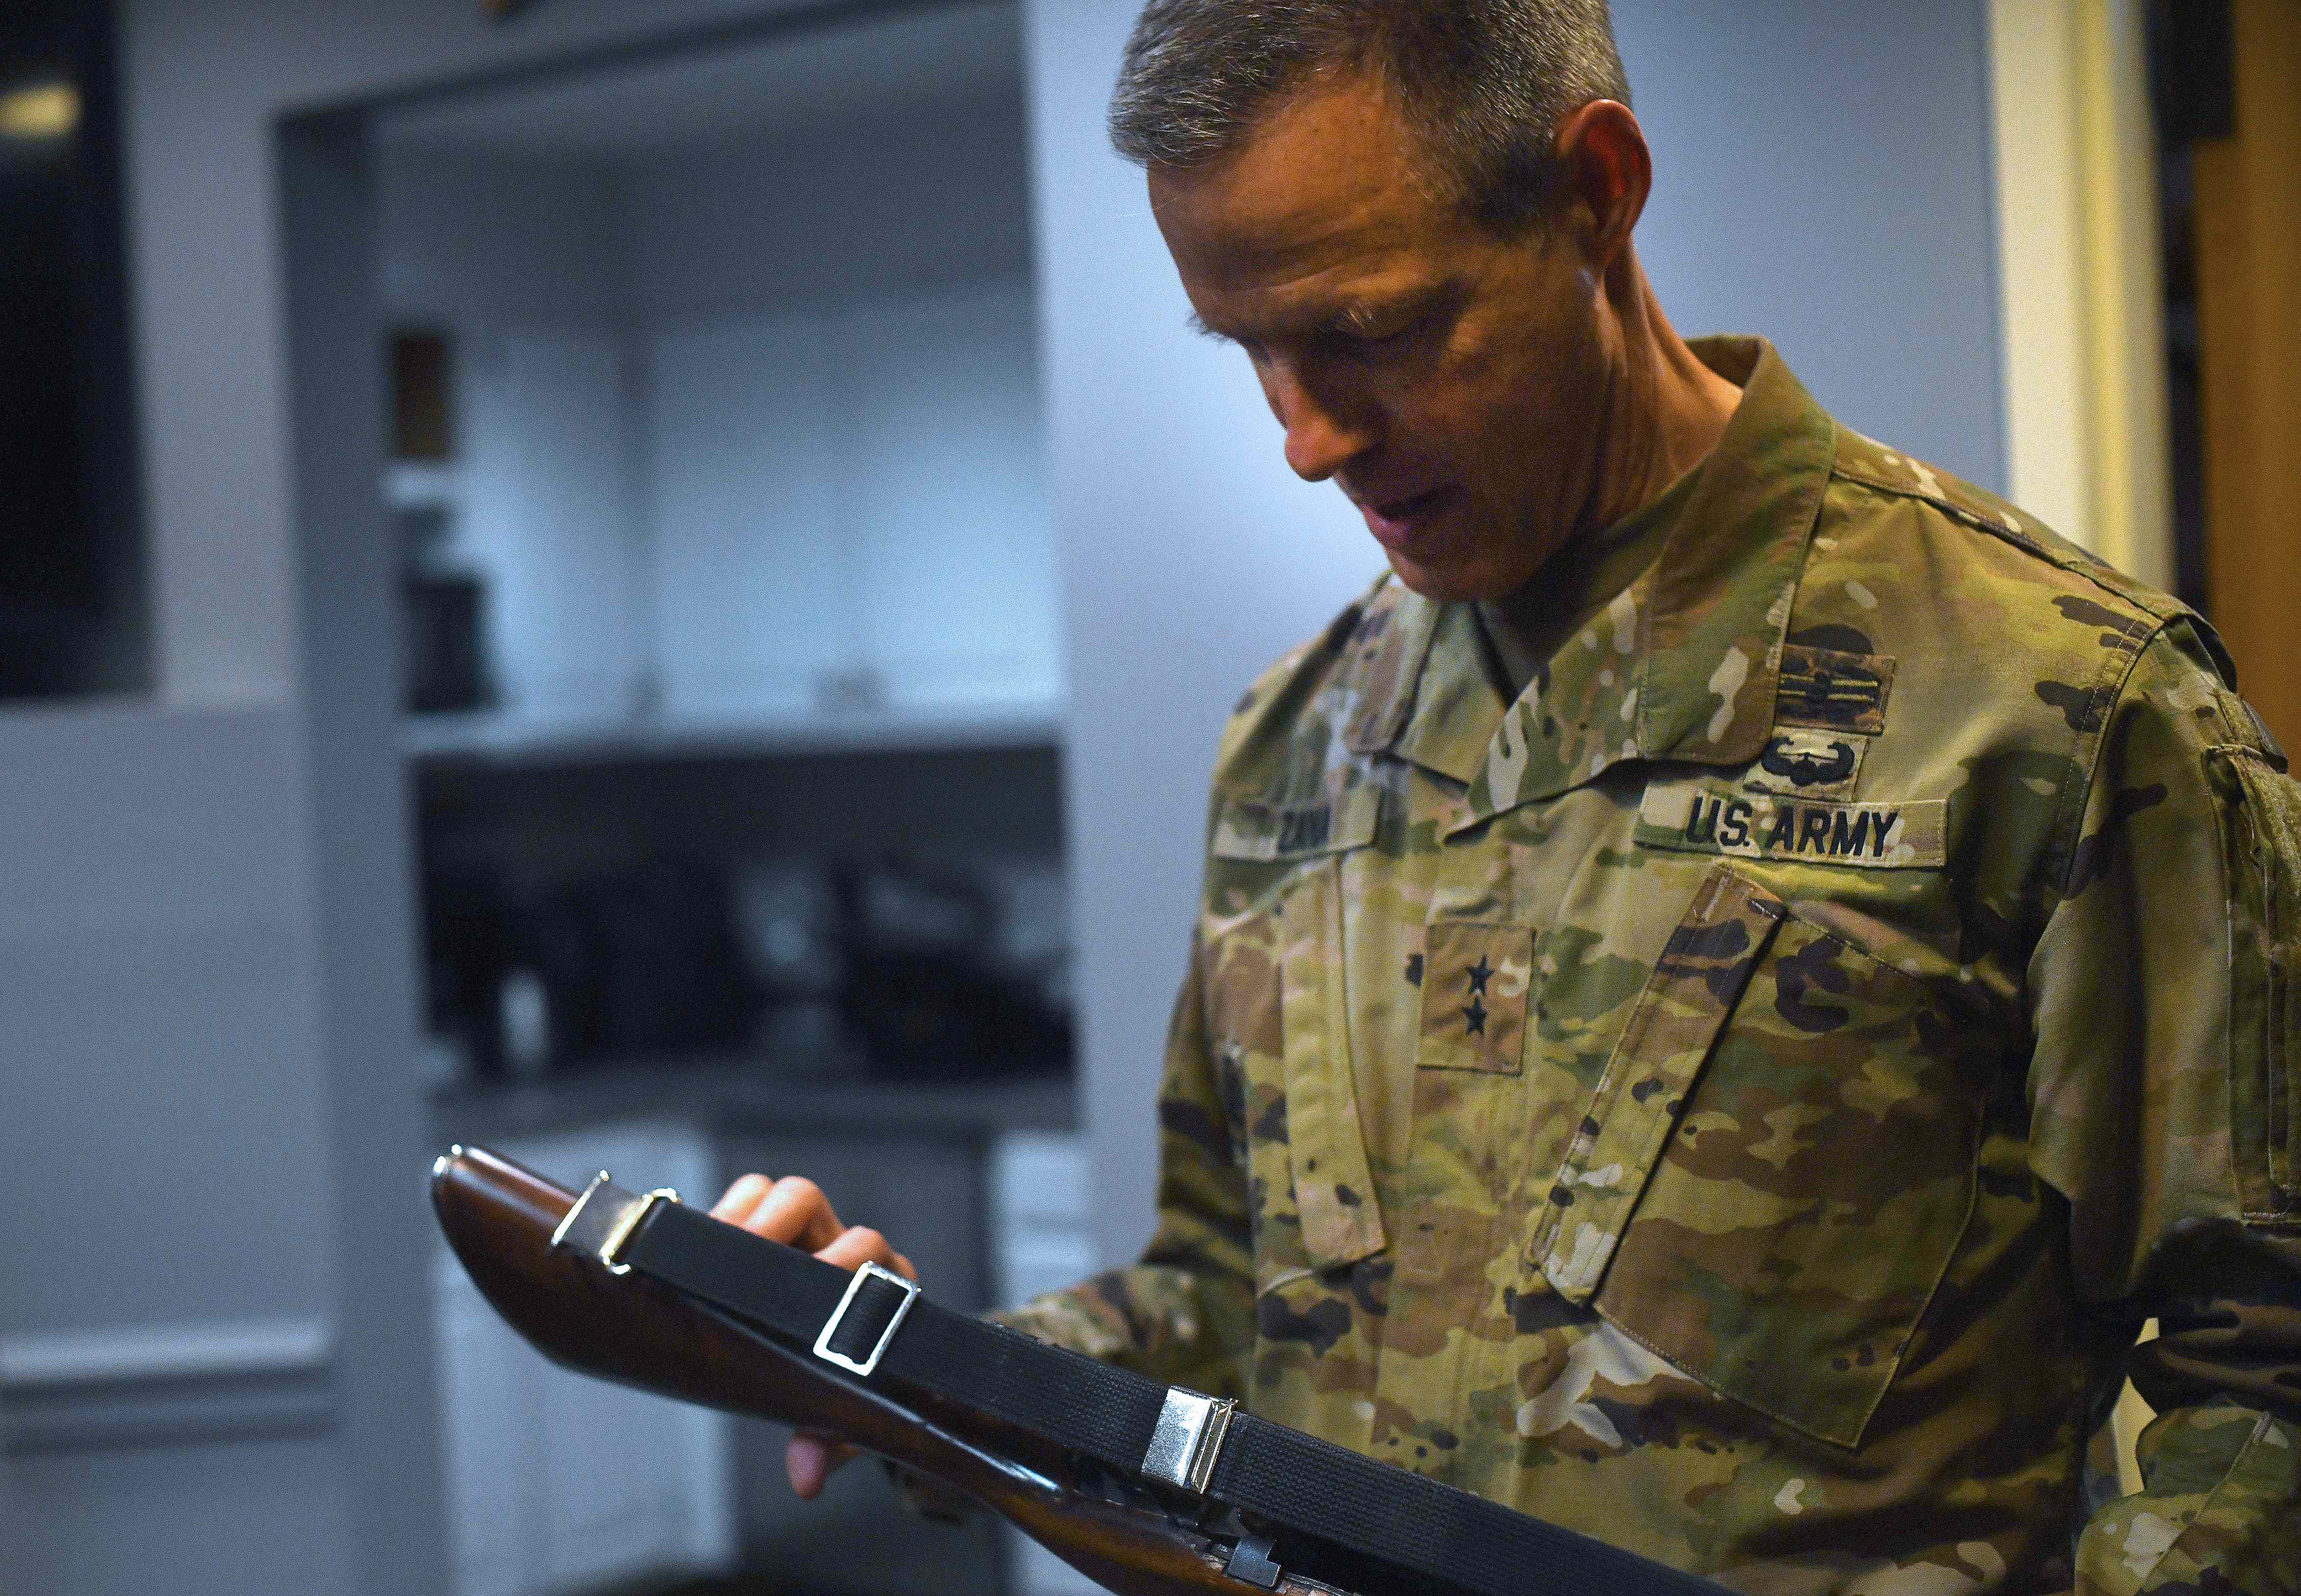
[(500, 1217)]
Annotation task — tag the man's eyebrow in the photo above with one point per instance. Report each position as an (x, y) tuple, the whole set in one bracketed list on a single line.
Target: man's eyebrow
[(1205, 329), (1340, 320), (1353, 318)]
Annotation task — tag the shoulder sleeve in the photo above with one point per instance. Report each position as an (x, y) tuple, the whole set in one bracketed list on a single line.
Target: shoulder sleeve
[(2164, 1108)]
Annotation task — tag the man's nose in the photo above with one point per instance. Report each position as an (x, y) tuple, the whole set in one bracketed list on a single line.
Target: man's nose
[(1325, 431)]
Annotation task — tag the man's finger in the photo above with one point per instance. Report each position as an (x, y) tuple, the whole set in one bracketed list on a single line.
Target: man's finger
[(810, 1461), (859, 1245), (792, 1210), (796, 1213), (742, 1196)]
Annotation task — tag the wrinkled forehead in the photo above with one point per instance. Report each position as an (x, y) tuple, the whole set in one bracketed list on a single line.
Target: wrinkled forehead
[(1328, 178)]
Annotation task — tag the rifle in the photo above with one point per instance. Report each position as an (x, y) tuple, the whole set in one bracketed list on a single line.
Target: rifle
[(548, 1267)]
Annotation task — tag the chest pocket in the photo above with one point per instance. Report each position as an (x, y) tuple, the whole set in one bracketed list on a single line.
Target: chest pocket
[(1278, 1010), (1774, 1171)]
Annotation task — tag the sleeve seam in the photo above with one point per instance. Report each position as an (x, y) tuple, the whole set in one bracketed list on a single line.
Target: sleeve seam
[(2109, 690)]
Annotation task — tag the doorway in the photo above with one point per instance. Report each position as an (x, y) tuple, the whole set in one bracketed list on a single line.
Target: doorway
[(666, 431)]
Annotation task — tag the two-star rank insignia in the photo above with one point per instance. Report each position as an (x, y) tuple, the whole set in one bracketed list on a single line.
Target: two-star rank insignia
[(1474, 995), (1473, 1012)]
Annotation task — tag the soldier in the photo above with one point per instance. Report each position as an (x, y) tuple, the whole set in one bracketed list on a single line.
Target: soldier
[(1732, 982)]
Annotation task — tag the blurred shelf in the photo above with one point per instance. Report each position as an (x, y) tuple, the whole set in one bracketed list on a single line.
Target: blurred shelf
[(495, 736)]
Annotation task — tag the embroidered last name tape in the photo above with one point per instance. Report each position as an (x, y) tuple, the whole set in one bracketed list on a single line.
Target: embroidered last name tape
[(1698, 818), (1246, 829)]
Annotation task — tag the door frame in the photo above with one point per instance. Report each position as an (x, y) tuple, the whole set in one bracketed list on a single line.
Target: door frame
[(2080, 286)]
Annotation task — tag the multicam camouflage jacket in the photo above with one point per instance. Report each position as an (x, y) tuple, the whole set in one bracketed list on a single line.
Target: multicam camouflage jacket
[(1741, 1100)]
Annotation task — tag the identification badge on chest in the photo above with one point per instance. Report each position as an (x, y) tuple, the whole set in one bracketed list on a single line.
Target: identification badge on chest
[(1753, 823)]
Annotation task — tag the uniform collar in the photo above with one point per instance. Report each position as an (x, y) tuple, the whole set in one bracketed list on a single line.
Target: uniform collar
[(1681, 666)]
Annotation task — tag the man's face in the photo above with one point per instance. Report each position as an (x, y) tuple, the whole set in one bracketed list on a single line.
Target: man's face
[(1451, 383)]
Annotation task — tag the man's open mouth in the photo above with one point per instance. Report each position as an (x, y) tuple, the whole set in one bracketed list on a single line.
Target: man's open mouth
[(1404, 509)]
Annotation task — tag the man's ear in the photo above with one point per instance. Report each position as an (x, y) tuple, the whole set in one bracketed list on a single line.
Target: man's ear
[(1608, 173)]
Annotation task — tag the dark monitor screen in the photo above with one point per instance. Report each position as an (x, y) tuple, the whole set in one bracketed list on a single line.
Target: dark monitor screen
[(66, 464), (41, 427)]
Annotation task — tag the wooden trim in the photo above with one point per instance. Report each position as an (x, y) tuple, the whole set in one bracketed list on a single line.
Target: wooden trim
[(2248, 252), (2082, 313)]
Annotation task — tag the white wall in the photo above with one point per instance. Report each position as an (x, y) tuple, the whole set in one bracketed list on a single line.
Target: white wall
[(1822, 178), (203, 82), (853, 486), (737, 417), (166, 1134), (551, 512), (932, 195), (157, 990), (844, 437), (489, 243), (526, 264)]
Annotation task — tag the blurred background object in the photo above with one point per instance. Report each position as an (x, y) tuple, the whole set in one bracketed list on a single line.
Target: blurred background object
[(443, 631), (944, 981), (2228, 82), (715, 454), (71, 604)]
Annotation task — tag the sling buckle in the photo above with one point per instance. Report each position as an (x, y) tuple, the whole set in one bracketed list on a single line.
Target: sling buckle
[(1188, 1438), (865, 1365), (604, 1219)]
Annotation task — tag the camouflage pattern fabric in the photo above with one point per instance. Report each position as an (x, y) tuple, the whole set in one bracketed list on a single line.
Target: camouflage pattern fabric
[(1740, 1099)]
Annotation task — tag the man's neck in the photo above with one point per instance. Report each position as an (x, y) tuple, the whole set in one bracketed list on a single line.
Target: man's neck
[(1666, 410)]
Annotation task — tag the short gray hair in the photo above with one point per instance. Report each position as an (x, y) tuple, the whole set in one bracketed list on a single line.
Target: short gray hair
[(1482, 84)]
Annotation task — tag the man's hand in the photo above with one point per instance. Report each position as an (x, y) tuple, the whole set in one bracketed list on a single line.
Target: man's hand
[(794, 1211)]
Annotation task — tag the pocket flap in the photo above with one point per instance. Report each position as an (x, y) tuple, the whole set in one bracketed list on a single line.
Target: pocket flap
[(1265, 833), (1671, 1029), (1334, 1188), (2260, 848)]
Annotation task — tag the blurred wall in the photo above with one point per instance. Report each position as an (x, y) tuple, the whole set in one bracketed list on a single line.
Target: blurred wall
[(1822, 177), (215, 1350), (165, 1321), (696, 387), (203, 82)]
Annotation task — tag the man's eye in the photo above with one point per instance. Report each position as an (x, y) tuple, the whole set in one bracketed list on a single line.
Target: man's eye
[(1380, 338)]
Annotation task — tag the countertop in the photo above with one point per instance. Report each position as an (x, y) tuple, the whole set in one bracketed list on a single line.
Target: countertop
[(736, 1094)]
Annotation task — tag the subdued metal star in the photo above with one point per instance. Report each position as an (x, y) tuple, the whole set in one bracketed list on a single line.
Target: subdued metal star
[(1474, 1016), (1479, 973)]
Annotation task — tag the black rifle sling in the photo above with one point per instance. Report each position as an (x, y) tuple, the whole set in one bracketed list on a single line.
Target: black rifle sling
[(1288, 1479)]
